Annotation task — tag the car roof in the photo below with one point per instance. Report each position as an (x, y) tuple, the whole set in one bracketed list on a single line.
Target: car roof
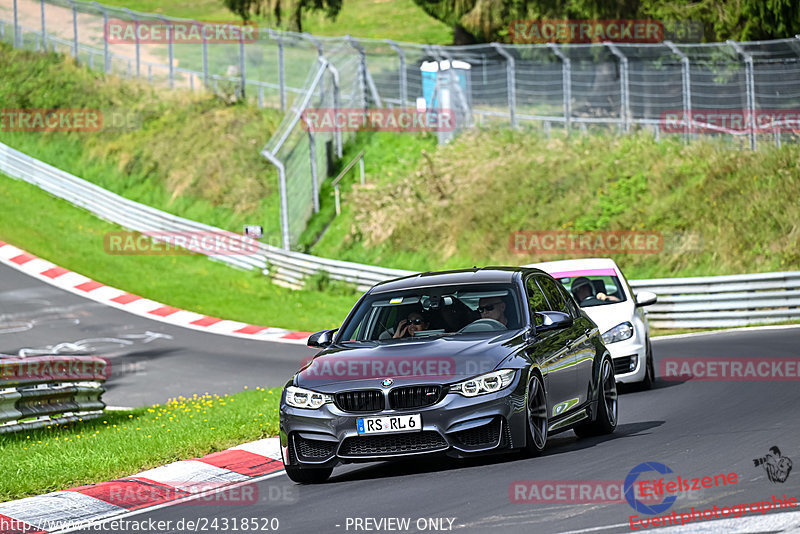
[(482, 275), (565, 268)]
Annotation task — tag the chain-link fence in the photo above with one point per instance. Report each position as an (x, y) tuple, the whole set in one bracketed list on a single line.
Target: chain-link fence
[(746, 92)]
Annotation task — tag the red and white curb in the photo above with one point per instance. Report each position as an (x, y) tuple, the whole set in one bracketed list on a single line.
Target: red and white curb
[(198, 481), (117, 298)]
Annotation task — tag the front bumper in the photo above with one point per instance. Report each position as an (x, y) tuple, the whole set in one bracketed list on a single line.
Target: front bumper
[(457, 426), (629, 359)]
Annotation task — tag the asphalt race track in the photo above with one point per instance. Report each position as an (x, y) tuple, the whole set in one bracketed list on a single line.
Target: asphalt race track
[(151, 361), (696, 428)]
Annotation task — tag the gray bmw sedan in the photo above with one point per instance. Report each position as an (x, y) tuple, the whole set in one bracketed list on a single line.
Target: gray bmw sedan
[(462, 363)]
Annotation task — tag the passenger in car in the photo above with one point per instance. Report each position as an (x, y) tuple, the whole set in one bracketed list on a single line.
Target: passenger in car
[(414, 323)]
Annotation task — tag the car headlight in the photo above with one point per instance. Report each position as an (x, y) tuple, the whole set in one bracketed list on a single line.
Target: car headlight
[(305, 398), (488, 383), (620, 332)]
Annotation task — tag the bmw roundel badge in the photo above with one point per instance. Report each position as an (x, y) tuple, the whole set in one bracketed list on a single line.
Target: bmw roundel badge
[(387, 382)]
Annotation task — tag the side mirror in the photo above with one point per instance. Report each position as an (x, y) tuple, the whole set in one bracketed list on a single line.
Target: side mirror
[(321, 339), (645, 298), (552, 319)]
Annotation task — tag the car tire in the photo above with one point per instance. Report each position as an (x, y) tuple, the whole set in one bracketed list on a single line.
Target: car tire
[(607, 405), (308, 476), (536, 435), (650, 372)]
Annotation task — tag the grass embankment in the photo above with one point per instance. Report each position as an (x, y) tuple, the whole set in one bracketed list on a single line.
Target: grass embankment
[(124, 443), (188, 154), (721, 211), (73, 238), (401, 20)]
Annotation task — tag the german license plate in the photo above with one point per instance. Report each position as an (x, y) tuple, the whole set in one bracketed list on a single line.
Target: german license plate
[(389, 424)]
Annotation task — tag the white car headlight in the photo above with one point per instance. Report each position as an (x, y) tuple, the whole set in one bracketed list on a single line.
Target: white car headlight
[(620, 332), (305, 398), (488, 383)]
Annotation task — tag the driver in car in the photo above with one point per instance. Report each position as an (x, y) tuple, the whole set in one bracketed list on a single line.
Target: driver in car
[(493, 308), (583, 290)]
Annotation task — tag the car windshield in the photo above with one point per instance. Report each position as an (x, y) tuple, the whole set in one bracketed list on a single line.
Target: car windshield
[(434, 311), (593, 290)]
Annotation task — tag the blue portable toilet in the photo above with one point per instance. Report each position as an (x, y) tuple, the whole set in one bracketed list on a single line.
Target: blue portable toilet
[(432, 71)]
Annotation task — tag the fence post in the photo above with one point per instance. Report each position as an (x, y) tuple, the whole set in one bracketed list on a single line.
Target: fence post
[(403, 74), (624, 88), (687, 88), (312, 151), (16, 25), (136, 29), (337, 135), (362, 69), (74, 29), (511, 81), (106, 56), (361, 169), (205, 54), (285, 241), (751, 90), (566, 83), (44, 27), (242, 66), (281, 75), (171, 51)]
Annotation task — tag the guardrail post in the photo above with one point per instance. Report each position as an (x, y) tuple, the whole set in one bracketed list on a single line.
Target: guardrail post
[(686, 90), (361, 169), (285, 240), (403, 74), (511, 82), (566, 83), (106, 56), (625, 111), (16, 26), (751, 90), (171, 49), (242, 67), (44, 26)]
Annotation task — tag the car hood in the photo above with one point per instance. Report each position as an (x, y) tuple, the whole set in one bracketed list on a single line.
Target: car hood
[(607, 316), (357, 365)]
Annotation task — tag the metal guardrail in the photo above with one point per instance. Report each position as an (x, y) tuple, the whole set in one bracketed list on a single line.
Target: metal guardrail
[(721, 301), (44, 390), (699, 302)]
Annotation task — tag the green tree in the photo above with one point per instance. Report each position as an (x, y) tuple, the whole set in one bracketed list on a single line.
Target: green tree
[(741, 20), (291, 10)]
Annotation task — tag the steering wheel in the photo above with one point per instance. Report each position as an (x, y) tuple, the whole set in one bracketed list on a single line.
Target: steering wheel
[(483, 325)]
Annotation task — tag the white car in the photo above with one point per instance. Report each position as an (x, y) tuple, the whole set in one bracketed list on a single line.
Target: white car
[(602, 291)]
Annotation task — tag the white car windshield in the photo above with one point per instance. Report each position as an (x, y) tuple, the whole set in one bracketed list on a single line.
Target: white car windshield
[(593, 290)]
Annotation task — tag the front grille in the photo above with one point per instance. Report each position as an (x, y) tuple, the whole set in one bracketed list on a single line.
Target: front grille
[(486, 435), (312, 449), (622, 365), (403, 398), (427, 440), (367, 400)]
